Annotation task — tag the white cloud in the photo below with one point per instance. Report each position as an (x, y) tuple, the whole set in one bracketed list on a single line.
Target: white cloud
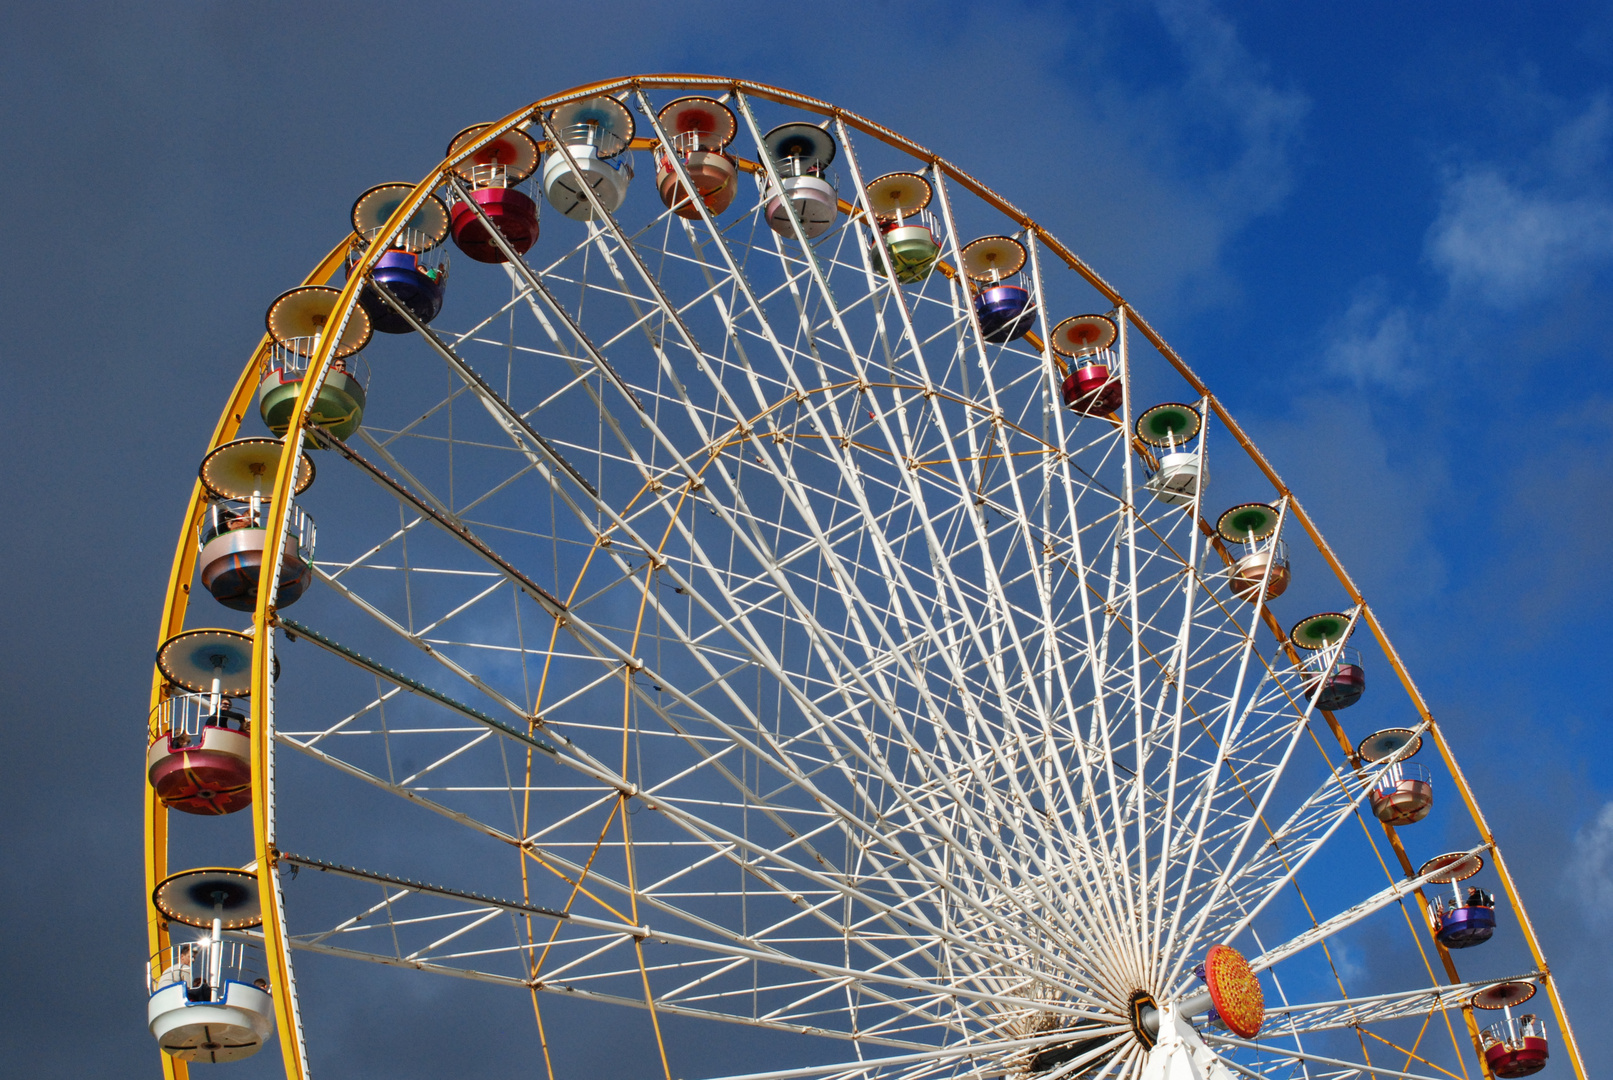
[(1506, 235), (1592, 864), (1511, 232), (1347, 963), (1507, 245), (1580, 146), (1373, 343)]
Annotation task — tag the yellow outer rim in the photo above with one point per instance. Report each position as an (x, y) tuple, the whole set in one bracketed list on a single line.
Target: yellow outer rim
[(264, 617), (175, 607)]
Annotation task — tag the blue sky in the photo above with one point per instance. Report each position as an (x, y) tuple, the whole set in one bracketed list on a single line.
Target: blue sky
[(1384, 238)]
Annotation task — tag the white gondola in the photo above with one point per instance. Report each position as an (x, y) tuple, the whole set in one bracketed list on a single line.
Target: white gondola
[(209, 1001), (205, 1005), (1171, 427), (801, 154), (595, 133)]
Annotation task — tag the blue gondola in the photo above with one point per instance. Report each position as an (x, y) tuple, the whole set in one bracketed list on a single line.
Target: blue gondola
[(1003, 307), (419, 288)]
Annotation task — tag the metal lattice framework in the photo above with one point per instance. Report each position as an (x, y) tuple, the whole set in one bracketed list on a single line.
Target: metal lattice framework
[(790, 658)]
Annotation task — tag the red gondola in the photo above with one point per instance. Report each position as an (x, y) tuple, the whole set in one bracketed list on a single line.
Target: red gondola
[(492, 171), (200, 757), (1093, 386), (1512, 1046)]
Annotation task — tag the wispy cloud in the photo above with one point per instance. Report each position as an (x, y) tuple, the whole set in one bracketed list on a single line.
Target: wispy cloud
[(1373, 342), (1505, 235), (1508, 244), (1337, 452), (1510, 232), (1593, 868), (1579, 147), (1154, 169)]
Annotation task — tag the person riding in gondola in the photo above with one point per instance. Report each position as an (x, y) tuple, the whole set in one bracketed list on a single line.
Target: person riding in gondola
[(180, 970)]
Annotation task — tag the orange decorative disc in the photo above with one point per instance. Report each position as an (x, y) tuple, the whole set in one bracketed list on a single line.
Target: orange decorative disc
[(1080, 335), (1235, 991)]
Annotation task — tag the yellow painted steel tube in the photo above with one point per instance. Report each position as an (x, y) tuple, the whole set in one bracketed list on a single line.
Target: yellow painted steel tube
[(175, 607)]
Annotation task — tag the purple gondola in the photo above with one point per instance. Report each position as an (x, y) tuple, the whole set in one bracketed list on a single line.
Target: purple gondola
[(416, 286), (1003, 304), (1465, 918)]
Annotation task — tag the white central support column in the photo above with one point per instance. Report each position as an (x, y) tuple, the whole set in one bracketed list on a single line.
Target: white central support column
[(1180, 1054)]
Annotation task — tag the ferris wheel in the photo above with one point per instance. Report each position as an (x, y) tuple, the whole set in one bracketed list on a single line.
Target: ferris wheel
[(786, 595)]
